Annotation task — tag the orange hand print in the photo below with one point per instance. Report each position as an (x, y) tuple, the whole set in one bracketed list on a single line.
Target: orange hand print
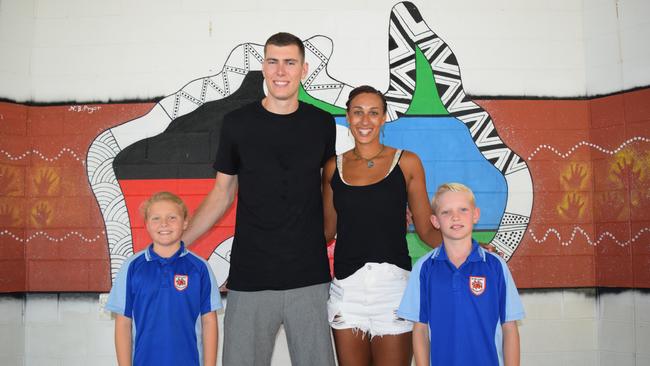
[(627, 171), (7, 182), (575, 177), (8, 216), (45, 182), (611, 205), (572, 208), (42, 214)]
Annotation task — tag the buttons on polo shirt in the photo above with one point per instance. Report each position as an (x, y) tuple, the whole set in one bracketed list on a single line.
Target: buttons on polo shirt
[(456, 282), (165, 275)]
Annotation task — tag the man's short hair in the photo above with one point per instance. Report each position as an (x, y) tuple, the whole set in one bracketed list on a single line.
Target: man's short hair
[(452, 187), (285, 39)]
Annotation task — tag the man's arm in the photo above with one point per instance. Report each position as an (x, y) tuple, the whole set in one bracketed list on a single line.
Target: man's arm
[(210, 338), (123, 336), (212, 208), (511, 343), (421, 344)]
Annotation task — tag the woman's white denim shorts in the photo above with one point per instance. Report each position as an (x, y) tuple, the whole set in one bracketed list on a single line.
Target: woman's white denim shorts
[(368, 300)]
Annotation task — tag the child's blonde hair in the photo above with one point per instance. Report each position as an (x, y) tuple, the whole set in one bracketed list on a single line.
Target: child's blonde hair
[(452, 187), (162, 196)]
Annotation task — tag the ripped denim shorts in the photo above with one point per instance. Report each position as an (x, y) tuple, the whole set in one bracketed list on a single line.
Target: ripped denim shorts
[(368, 300)]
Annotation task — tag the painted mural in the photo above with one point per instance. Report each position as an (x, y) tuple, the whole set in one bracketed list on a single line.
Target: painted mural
[(563, 185), (428, 110)]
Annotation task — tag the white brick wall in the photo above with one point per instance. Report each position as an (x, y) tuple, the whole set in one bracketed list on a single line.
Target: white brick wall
[(12, 330), (148, 48), (569, 327)]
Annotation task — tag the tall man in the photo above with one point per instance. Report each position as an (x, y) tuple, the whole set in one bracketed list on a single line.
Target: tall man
[(273, 151)]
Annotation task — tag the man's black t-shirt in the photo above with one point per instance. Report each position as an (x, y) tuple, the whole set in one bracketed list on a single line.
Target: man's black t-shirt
[(279, 241)]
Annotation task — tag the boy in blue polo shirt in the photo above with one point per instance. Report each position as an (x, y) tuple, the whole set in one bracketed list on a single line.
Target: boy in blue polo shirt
[(462, 298), (165, 297)]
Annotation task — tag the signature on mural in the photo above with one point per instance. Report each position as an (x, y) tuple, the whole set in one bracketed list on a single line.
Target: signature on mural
[(84, 108)]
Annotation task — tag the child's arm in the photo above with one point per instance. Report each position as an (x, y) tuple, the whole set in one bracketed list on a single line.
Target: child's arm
[(421, 344), (210, 338), (123, 335), (510, 343)]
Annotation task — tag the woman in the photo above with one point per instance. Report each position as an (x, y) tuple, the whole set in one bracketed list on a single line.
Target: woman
[(365, 196)]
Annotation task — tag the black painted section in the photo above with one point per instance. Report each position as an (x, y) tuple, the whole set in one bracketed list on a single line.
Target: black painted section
[(187, 148)]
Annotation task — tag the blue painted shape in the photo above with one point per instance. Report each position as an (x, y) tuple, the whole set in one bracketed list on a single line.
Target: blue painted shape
[(449, 155)]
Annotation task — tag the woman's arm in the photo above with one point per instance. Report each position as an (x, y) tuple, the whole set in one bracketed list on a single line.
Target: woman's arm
[(418, 199), (329, 213)]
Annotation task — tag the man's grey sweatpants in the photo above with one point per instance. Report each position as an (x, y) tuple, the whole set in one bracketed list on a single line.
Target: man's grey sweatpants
[(252, 321)]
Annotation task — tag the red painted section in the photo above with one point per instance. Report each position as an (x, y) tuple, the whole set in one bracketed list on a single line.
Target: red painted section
[(192, 191), (590, 224), (52, 233)]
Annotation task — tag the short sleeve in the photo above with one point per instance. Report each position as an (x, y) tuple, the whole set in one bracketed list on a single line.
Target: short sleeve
[(227, 159), (330, 143), (120, 299), (514, 309), (210, 297), (411, 308)]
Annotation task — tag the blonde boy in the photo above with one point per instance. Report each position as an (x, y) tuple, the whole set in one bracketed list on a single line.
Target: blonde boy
[(165, 297), (462, 298)]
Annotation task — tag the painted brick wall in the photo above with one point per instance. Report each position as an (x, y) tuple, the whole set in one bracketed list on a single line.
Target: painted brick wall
[(51, 231), (588, 160)]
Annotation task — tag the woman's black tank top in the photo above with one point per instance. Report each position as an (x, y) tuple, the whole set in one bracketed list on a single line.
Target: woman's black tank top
[(371, 221)]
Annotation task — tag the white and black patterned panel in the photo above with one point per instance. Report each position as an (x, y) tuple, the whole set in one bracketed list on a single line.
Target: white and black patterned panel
[(408, 30), (242, 59), (99, 167), (511, 230), (318, 83)]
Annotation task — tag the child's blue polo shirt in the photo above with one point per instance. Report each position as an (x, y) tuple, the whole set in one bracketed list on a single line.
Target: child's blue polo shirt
[(165, 298), (464, 307)]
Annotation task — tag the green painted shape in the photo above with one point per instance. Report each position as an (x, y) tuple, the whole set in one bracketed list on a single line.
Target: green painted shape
[(417, 248), (484, 236), (426, 101), (332, 109)]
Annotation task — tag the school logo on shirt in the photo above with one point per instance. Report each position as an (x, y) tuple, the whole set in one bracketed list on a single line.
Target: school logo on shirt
[(180, 282), (477, 285)]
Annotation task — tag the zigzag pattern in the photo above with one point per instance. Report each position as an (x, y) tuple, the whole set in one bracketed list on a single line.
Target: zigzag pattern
[(109, 196), (408, 31), (242, 59), (320, 85), (104, 149)]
